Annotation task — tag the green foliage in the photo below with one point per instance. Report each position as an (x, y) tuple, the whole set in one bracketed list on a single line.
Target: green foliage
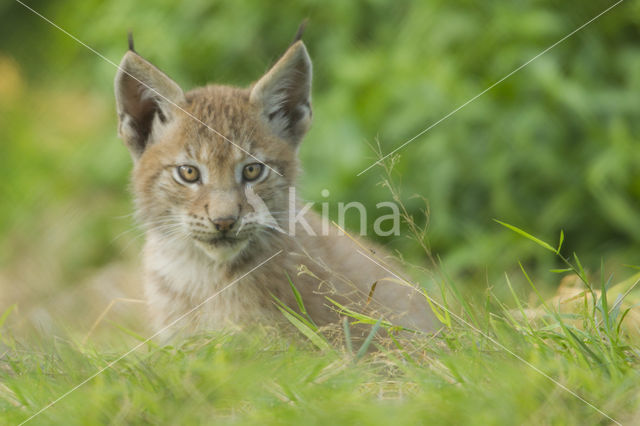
[(552, 147)]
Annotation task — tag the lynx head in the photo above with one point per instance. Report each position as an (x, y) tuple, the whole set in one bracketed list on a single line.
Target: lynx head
[(209, 164)]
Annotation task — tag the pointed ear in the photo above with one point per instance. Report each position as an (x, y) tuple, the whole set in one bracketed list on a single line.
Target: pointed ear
[(146, 100), (284, 94)]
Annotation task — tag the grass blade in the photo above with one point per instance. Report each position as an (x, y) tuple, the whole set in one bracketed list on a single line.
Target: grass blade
[(281, 305), (297, 295), (347, 335), (300, 303), (560, 242), (368, 340), (314, 337), (527, 235)]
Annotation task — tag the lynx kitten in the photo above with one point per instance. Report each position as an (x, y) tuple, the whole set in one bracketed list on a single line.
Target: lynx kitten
[(205, 162)]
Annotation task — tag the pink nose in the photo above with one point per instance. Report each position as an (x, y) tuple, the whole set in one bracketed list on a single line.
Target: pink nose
[(224, 223)]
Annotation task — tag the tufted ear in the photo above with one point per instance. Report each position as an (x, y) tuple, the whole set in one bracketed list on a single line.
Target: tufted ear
[(284, 94), (146, 100)]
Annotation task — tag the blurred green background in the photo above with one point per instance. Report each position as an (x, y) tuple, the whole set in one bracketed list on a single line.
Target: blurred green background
[(553, 147)]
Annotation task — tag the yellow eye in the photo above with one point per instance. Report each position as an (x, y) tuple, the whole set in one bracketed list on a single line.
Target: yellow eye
[(188, 173), (252, 171)]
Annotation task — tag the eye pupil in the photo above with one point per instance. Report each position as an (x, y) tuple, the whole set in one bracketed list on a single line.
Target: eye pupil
[(188, 173), (252, 172)]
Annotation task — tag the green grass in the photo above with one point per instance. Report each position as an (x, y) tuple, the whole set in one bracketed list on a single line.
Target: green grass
[(492, 363)]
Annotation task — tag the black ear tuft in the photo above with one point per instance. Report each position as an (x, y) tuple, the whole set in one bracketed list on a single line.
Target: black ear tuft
[(300, 32), (130, 38)]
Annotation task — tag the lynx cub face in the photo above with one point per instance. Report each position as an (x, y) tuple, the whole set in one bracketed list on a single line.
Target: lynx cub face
[(201, 157), (212, 174)]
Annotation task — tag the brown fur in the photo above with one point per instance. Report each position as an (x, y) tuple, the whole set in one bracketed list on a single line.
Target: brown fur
[(165, 128)]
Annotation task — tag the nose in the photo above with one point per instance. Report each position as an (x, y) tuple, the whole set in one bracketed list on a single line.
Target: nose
[(224, 224)]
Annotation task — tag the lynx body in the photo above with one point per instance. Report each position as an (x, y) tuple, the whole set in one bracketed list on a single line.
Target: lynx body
[(200, 158)]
